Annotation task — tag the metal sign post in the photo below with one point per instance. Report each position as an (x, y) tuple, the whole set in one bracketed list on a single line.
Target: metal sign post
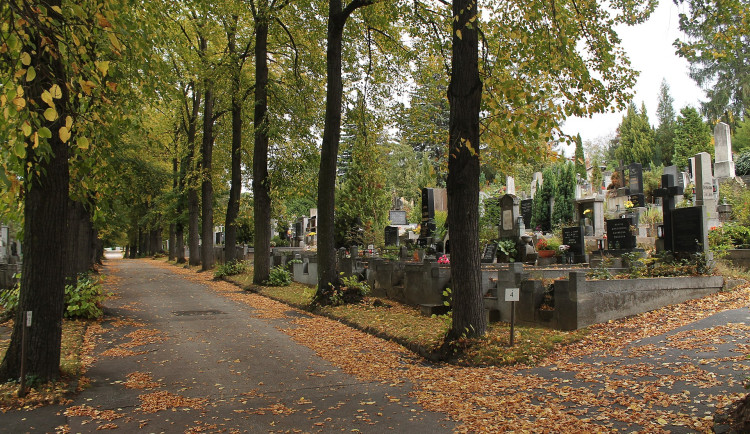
[(26, 319), (512, 295)]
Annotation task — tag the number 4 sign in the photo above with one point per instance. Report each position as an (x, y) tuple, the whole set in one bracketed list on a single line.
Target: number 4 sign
[(511, 294)]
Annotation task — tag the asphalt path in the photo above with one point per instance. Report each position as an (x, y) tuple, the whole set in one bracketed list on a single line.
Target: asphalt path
[(175, 356)]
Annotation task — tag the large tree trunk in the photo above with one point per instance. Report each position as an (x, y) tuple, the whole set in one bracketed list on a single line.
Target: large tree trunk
[(179, 234), (45, 218), (207, 188), (329, 153), (233, 207), (465, 95), (192, 192), (261, 183)]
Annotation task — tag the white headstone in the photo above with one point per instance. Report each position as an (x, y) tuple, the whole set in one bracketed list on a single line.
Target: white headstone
[(724, 167), (691, 169), (535, 178), (704, 187), (510, 184)]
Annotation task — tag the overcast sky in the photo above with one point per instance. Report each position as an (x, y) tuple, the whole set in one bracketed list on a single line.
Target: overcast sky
[(649, 47)]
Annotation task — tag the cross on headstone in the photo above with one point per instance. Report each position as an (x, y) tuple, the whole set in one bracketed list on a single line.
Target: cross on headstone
[(668, 192)]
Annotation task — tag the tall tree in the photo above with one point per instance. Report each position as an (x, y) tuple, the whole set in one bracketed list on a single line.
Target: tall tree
[(338, 14), (664, 134), (691, 136), (465, 98), (715, 44), (580, 158), (636, 144)]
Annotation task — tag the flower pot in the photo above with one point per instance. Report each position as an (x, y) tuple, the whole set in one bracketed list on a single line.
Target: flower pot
[(546, 253)]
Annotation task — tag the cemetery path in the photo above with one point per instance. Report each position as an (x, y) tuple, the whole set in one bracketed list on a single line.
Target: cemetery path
[(179, 352), (174, 356)]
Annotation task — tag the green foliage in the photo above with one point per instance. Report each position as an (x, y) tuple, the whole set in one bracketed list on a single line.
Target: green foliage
[(563, 211), (651, 216), (741, 137), (508, 247), (742, 163), (664, 134), (580, 158), (729, 236), (9, 297), (738, 196), (652, 181), (230, 269), (279, 276), (692, 136), (714, 44), (601, 272), (597, 177), (83, 299), (540, 216), (348, 291), (277, 241), (636, 138)]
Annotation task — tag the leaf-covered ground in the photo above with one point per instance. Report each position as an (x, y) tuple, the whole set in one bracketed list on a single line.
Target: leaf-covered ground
[(652, 372)]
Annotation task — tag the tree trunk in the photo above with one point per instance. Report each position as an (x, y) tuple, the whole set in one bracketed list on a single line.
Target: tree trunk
[(179, 235), (261, 183), (172, 239), (465, 95), (207, 188), (192, 193), (329, 153), (45, 220), (233, 207)]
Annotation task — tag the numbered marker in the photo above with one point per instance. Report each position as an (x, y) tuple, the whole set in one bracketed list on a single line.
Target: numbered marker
[(511, 294)]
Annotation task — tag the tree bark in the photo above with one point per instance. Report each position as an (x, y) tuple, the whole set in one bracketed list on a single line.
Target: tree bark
[(45, 218), (207, 188), (261, 183), (465, 95), (233, 206), (192, 192)]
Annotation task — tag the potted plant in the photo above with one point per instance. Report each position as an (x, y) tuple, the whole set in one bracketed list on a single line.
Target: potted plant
[(543, 248), (506, 250)]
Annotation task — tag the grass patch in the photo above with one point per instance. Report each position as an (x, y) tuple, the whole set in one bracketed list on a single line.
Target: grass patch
[(72, 349), (406, 325)]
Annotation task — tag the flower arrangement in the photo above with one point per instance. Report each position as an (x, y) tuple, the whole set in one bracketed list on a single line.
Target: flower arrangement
[(587, 212), (564, 248), (311, 234), (444, 260), (628, 205), (542, 244)]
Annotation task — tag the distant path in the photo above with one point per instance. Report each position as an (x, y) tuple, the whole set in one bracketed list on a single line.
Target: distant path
[(220, 365)]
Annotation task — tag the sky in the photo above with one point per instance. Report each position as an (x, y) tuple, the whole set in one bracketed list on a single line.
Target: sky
[(649, 47)]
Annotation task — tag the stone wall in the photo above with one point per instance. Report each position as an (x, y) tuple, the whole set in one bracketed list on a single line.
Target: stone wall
[(739, 258)]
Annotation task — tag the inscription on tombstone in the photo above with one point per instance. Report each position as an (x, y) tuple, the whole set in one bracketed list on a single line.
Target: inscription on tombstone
[(635, 178), (619, 236), (490, 253), (526, 206), (397, 217), (573, 237)]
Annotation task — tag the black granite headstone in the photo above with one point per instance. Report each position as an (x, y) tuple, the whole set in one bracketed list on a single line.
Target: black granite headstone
[(619, 235), (635, 178), (688, 229), (638, 199), (490, 253), (428, 204), (573, 237), (391, 236), (526, 206)]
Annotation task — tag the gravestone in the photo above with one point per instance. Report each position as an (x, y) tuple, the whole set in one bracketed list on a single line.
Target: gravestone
[(635, 178), (677, 181), (536, 182), (509, 216), (397, 217), (526, 207), (391, 236), (704, 187), (670, 194), (691, 169), (510, 184), (595, 217), (619, 234), (489, 254), (573, 238), (428, 214), (723, 166), (689, 230)]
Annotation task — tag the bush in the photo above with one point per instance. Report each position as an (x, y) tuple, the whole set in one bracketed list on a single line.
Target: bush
[(279, 276), (742, 164), (9, 297), (83, 300), (230, 268)]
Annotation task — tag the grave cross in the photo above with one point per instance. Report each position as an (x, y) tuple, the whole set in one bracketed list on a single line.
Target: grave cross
[(667, 192)]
